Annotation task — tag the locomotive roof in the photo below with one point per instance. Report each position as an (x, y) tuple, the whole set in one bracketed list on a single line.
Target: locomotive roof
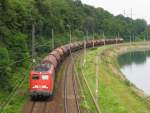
[(42, 67)]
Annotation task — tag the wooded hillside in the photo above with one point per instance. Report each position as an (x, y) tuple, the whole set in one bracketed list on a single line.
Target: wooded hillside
[(18, 16)]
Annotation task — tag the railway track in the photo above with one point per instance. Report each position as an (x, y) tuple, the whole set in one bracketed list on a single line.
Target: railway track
[(83, 84), (66, 98), (36, 107), (71, 103)]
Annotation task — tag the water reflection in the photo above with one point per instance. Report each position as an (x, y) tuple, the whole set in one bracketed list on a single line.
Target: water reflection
[(136, 67)]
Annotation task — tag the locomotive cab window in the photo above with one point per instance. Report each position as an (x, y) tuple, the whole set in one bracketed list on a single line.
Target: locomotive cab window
[(35, 77)]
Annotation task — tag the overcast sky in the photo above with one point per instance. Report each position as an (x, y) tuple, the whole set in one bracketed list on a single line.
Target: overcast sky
[(140, 8)]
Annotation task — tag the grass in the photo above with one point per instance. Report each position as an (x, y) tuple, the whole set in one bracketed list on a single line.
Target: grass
[(116, 94)]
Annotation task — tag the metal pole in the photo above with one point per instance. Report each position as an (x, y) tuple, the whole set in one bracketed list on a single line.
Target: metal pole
[(147, 36), (130, 39), (104, 38), (93, 39), (70, 34), (53, 39), (85, 50), (131, 15), (33, 43), (133, 37), (87, 35), (103, 35), (118, 34), (144, 38), (117, 38), (130, 42), (97, 72)]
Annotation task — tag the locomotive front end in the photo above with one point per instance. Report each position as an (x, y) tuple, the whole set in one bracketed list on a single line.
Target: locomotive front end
[(41, 81)]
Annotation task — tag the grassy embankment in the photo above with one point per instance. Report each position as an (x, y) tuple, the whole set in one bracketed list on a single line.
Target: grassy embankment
[(115, 93)]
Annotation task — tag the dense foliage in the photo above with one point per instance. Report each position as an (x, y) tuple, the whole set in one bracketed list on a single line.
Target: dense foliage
[(18, 16)]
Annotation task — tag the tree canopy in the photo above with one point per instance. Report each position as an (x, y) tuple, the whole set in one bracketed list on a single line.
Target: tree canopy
[(17, 17)]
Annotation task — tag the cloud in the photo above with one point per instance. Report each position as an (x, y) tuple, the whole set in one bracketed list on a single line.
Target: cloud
[(140, 8)]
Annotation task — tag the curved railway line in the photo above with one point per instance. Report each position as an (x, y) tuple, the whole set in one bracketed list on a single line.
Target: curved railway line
[(66, 98)]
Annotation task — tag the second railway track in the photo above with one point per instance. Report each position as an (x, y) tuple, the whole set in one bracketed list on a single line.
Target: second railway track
[(71, 103)]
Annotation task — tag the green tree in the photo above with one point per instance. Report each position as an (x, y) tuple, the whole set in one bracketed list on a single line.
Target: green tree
[(4, 69)]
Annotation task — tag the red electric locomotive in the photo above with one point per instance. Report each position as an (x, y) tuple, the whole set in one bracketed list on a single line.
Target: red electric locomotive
[(42, 80)]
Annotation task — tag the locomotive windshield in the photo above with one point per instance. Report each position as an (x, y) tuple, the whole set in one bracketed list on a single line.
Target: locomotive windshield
[(42, 68), (35, 77)]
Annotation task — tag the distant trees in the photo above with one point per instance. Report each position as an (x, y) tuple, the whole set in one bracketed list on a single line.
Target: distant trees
[(17, 17)]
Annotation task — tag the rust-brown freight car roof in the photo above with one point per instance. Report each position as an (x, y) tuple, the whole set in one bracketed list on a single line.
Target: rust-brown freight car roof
[(55, 54), (50, 59), (60, 50)]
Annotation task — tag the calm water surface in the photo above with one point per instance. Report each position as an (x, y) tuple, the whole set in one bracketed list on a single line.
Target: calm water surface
[(136, 67)]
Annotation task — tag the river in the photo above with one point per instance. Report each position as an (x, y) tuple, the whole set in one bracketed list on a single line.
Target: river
[(136, 67)]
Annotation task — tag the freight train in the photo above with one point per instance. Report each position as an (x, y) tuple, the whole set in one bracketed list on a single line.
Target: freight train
[(42, 77)]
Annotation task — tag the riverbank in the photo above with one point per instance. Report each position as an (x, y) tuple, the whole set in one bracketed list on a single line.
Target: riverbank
[(115, 93)]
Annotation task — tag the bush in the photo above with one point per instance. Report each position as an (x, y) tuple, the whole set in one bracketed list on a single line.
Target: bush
[(4, 69)]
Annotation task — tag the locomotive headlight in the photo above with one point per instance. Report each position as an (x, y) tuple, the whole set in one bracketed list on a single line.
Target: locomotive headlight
[(44, 77), (35, 86), (44, 86)]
